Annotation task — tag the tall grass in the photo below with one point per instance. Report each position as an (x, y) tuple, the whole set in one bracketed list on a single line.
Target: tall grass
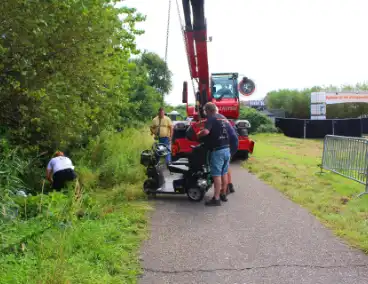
[(90, 233), (12, 168), (117, 156)]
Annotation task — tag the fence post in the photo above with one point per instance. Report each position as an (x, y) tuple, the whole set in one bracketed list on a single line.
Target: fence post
[(305, 129), (366, 176), (323, 154)]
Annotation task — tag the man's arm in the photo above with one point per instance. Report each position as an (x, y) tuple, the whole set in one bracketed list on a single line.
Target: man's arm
[(171, 131), (49, 172), (153, 127), (230, 130), (233, 138), (203, 132), (48, 175), (171, 127), (207, 128)]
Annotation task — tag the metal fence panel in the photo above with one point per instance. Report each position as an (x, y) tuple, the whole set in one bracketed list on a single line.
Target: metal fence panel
[(365, 125), (347, 156)]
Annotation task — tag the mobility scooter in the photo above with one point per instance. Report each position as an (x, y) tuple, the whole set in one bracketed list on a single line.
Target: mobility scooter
[(190, 176)]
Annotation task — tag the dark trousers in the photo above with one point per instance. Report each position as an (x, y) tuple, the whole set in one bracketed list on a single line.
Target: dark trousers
[(62, 177)]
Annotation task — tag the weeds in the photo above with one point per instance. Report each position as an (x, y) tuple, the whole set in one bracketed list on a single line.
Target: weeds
[(89, 233), (12, 167)]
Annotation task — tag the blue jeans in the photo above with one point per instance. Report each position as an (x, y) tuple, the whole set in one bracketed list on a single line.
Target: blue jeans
[(166, 141), (219, 162)]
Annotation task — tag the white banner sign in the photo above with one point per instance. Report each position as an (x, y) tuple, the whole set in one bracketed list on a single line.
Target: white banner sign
[(341, 98), (319, 100)]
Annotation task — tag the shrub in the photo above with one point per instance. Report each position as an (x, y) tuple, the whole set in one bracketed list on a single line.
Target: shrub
[(88, 178), (267, 128), (256, 119), (116, 157)]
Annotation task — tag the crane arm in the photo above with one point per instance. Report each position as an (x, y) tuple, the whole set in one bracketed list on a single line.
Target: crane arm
[(195, 37), (195, 34)]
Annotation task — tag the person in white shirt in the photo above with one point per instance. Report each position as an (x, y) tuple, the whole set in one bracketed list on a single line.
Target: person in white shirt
[(60, 170)]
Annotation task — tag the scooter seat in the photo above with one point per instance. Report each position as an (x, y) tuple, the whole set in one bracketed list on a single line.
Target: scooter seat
[(181, 161), (179, 169)]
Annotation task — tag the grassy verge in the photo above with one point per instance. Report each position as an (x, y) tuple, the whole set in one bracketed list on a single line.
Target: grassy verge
[(87, 235), (290, 165)]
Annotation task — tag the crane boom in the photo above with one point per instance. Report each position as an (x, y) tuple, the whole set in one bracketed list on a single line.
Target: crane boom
[(220, 88), (195, 34)]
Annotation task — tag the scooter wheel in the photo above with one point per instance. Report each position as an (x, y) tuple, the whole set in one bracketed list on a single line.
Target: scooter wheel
[(195, 194), (149, 186)]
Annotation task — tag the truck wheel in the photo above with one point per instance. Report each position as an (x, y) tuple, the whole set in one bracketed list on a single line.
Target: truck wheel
[(244, 155), (195, 194)]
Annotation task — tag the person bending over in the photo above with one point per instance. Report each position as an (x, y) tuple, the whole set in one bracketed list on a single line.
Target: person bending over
[(217, 141), (60, 170)]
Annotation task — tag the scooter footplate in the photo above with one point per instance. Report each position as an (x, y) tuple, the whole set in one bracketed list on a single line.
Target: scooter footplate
[(168, 187)]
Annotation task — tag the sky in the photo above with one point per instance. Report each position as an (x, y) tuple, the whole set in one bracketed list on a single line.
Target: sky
[(277, 43)]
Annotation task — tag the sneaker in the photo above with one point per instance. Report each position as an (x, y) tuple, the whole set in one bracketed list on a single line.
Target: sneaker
[(230, 188), (213, 202), (223, 197)]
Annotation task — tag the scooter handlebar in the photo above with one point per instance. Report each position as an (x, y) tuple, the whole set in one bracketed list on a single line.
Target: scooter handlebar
[(197, 146), (157, 150)]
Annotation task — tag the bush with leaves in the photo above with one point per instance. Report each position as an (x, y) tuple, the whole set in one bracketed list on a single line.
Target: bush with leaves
[(256, 119), (267, 128)]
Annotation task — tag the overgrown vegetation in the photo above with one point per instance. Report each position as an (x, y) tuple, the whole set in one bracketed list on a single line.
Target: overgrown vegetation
[(75, 64), (72, 79), (259, 122), (291, 166), (296, 103), (88, 234)]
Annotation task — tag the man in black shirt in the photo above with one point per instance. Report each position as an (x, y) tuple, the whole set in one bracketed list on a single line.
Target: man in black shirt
[(217, 141)]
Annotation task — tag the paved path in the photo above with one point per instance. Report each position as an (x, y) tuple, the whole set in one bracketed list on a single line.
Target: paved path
[(258, 236)]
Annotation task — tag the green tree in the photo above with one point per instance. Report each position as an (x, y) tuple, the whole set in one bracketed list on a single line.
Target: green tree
[(158, 74), (149, 75), (64, 72), (296, 103)]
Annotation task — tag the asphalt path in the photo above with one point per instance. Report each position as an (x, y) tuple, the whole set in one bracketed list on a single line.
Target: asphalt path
[(258, 236)]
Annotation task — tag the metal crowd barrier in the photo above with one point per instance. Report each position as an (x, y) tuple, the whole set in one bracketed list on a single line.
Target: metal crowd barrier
[(347, 156)]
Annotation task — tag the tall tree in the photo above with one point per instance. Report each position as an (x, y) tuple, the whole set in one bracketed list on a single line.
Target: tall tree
[(64, 70), (296, 103), (151, 80), (158, 73)]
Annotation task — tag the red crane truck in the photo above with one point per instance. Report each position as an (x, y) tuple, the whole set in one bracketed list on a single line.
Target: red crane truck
[(220, 88)]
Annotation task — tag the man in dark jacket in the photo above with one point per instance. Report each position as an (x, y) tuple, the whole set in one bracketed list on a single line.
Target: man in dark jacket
[(218, 142)]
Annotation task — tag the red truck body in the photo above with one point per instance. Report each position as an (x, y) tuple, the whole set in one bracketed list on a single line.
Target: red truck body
[(220, 88)]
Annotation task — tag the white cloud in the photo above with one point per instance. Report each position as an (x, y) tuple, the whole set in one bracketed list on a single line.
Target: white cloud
[(279, 44)]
